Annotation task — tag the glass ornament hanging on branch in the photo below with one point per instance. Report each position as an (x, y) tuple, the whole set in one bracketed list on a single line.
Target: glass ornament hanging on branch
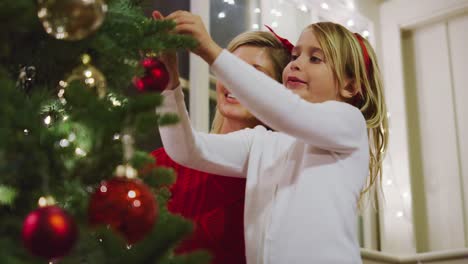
[(71, 19)]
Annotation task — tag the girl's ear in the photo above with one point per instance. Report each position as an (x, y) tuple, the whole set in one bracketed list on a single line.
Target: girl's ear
[(350, 90)]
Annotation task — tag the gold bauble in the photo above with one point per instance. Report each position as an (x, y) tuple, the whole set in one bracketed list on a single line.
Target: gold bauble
[(89, 76), (71, 19)]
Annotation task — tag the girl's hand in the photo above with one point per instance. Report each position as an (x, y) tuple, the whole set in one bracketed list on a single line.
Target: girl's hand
[(192, 25), (170, 60)]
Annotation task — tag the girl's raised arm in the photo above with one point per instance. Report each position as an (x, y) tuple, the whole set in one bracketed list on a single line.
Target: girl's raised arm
[(331, 125)]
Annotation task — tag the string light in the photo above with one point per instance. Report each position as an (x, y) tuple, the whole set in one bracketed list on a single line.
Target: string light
[(324, 6), (64, 143), (115, 101), (257, 10), (350, 5), (365, 34), (26, 132), (399, 214), (221, 15), (71, 137), (274, 24), (303, 8), (47, 120), (63, 84), (255, 26), (60, 93), (276, 13), (80, 152), (350, 23)]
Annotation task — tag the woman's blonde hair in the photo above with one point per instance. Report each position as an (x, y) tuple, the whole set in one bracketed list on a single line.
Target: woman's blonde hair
[(343, 51), (278, 55)]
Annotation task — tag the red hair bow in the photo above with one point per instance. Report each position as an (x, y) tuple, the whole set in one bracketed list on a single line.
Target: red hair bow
[(365, 54), (286, 43)]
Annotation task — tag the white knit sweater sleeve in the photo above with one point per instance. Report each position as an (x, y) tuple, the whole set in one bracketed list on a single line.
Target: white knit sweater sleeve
[(330, 125), (225, 155)]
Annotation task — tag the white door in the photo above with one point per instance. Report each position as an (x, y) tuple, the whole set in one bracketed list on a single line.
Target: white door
[(436, 87)]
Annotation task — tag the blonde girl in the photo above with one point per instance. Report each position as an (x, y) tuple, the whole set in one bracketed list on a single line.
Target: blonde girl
[(304, 180)]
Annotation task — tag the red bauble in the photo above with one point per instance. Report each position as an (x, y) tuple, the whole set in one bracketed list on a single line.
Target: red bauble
[(128, 206), (156, 76), (49, 232)]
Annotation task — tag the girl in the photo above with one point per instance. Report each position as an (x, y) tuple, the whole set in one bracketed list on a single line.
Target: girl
[(304, 181), (216, 204)]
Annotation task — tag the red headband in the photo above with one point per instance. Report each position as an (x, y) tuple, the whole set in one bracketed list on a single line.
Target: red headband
[(286, 43), (365, 54)]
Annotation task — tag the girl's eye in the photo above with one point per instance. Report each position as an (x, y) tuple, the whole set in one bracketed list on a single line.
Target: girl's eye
[(294, 57), (315, 59)]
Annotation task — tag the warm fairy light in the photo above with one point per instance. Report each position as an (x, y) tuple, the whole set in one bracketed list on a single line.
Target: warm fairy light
[(42, 12), (303, 8), (350, 5), (257, 10), (115, 102), (255, 26), (88, 73), (350, 23), (60, 93), (26, 132), (64, 143), (136, 203), (71, 137), (89, 81), (274, 24), (221, 15), (365, 33), (324, 6), (116, 136), (65, 118), (389, 182), (47, 120), (80, 152), (103, 188), (399, 214)]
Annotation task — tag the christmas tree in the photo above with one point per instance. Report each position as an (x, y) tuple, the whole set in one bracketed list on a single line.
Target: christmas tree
[(79, 83)]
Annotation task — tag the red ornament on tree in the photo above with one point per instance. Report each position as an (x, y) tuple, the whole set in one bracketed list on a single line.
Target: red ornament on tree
[(156, 76), (128, 206), (49, 232)]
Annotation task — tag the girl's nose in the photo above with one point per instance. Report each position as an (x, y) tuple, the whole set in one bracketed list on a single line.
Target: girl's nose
[(294, 65)]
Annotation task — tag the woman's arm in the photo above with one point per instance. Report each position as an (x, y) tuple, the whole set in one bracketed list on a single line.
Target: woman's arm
[(219, 154)]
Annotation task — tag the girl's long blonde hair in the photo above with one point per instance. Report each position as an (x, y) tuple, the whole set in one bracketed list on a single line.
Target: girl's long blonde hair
[(345, 54), (278, 55)]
